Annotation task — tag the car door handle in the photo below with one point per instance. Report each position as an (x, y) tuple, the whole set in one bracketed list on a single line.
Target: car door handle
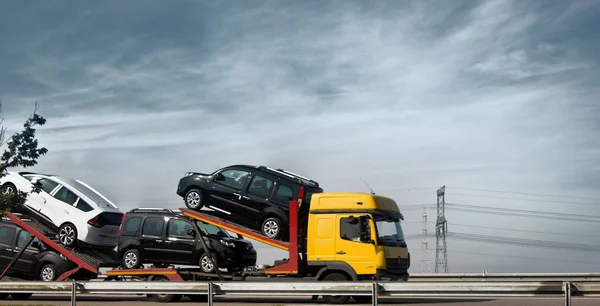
[(341, 252), (240, 196)]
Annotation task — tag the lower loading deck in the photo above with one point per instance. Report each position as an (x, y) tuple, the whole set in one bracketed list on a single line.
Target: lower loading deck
[(87, 259), (290, 266)]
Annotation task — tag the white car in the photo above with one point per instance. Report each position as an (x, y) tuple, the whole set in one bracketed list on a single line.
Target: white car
[(77, 211)]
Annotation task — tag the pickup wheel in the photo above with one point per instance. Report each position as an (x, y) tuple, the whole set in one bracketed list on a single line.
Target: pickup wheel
[(193, 199), (336, 299), (271, 227)]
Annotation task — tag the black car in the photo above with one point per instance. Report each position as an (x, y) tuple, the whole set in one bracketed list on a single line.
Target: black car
[(258, 196), (163, 237), (37, 262)]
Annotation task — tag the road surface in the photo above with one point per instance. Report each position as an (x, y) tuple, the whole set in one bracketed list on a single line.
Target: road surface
[(126, 300)]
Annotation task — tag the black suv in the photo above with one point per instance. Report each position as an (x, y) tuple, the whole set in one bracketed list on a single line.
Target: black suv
[(162, 237), (37, 262), (258, 196)]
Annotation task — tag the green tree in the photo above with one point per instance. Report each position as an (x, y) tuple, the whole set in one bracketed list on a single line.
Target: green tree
[(21, 151)]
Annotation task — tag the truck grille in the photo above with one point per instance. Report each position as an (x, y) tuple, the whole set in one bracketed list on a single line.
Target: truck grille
[(397, 265)]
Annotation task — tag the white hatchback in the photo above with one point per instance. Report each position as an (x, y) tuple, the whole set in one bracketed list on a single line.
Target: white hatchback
[(77, 211)]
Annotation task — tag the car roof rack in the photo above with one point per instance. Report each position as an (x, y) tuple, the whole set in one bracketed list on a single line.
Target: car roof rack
[(152, 209), (291, 174)]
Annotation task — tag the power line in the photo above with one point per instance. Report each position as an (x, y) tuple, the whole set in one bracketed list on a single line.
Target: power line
[(520, 230), (529, 200), (523, 212), (525, 242), (526, 257), (527, 193)]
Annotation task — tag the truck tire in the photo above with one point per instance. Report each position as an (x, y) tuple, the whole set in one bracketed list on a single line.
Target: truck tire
[(21, 296), (362, 299), (165, 298), (336, 299)]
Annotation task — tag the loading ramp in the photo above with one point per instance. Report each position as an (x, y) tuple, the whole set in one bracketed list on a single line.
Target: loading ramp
[(87, 259), (289, 266)]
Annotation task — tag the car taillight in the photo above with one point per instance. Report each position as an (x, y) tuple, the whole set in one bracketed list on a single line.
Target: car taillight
[(94, 221), (121, 225), (300, 196)]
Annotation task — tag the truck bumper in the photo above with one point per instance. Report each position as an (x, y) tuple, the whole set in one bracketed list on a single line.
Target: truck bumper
[(383, 275)]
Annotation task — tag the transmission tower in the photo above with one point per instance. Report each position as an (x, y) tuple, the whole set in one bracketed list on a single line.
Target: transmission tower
[(441, 253), (425, 261)]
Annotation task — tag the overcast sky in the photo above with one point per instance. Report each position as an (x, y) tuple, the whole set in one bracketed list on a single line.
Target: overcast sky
[(409, 96)]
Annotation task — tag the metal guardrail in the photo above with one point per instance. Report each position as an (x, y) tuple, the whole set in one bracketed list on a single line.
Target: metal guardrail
[(373, 289), (505, 276)]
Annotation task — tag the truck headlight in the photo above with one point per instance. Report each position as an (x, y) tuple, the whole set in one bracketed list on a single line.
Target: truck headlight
[(227, 243)]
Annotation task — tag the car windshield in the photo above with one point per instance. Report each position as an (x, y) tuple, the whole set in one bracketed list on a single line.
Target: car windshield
[(389, 233), (211, 230)]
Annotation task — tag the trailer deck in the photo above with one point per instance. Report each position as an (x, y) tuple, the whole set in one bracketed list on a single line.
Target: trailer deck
[(290, 266), (87, 259)]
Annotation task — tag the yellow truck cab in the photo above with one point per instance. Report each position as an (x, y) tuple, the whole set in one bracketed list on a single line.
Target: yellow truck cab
[(357, 233)]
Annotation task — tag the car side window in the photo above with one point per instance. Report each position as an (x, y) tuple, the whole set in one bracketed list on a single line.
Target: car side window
[(7, 235), (23, 237), (234, 178), (284, 193), (66, 195), (260, 186), (179, 228), (153, 226), (83, 206), (47, 185), (132, 226)]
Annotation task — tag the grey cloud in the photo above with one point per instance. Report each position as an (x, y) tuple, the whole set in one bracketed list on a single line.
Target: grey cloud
[(498, 94)]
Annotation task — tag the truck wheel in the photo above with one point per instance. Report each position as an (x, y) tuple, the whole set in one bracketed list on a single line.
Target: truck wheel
[(165, 298), (362, 299), (198, 297), (21, 296), (336, 299), (271, 227), (193, 199)]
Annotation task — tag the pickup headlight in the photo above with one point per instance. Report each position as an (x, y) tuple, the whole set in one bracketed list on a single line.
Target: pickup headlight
[(227, 243)]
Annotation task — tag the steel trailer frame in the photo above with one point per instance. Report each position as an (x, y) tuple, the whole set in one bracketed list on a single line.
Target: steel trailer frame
[(81, 264)]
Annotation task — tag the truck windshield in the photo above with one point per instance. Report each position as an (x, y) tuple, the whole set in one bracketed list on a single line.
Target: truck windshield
[(389, 233)]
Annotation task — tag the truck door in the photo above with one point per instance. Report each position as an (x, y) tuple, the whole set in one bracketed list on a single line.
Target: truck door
[(359, 253)]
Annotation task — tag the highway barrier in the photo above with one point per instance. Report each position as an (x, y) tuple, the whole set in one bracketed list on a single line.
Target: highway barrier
[(537, 277), (361, 288)]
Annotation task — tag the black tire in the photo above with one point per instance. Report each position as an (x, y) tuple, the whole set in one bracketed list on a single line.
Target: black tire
[(205, 263), (362, 299), (48, 273), (4, 296), (165, 298), (336, 299), (194, 199), (271, 227), (131, 259), (67, 235), (21, 296), (9, 188), (198, 297)]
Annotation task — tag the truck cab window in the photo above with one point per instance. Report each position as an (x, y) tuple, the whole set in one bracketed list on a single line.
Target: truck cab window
[(350, 229)]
